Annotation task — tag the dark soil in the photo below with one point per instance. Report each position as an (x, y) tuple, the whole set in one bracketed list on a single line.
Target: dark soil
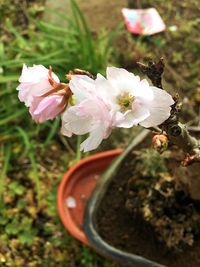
[(132, 234)]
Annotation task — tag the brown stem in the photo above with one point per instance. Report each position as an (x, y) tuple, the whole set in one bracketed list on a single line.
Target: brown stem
[(153, 71), (179, 135)]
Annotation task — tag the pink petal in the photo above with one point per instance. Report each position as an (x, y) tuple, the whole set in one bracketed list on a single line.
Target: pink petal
[(46, 108)]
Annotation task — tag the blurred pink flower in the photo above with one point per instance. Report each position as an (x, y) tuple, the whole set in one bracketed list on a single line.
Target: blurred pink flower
[(34, 82)]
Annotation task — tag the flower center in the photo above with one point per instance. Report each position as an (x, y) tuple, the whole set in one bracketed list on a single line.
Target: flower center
[(125, 101)]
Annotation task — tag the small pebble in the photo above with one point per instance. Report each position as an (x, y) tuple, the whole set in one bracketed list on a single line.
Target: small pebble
[(71, 202)]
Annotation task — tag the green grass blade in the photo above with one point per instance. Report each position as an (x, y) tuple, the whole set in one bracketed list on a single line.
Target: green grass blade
[(7, 154), (30, 151), (12, 117), (9, 78), (52, 132)]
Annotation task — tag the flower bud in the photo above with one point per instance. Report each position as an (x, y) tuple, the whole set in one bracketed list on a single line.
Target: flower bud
[(160, 142)]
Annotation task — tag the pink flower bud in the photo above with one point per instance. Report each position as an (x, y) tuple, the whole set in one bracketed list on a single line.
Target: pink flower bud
[(47, 108), (160, 142), (34, 82), (41, 91)]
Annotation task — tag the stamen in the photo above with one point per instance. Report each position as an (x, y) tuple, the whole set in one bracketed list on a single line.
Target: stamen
[(125, 101)]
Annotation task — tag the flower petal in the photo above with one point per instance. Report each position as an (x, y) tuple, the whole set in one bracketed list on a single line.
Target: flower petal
[(33, 74), (40, 88), (65, 131), (122, 80), (81, 86), (143, 91), (159, 108), (93, 141), (74, 123), (133, 117)]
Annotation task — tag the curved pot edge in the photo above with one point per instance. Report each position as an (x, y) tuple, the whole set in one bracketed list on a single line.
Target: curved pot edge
[(108, 251), (124, 258), (64, 213)]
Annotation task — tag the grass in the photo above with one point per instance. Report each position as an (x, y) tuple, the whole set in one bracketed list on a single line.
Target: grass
[(6, 151)]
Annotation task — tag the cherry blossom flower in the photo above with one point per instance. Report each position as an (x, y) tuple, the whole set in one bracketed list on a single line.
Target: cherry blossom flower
[(90, 114), (133, 101), (42, 92), (120, 100), (34, 82)]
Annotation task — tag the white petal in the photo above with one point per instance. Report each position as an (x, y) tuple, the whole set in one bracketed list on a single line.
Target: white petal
[(81, 86), (33, 74), (25, 74), (122, 80), (117, 74), (105, 90), (159, 108), (24, 94), (65, 131), (161, 97), (143, 91), (55, 77), (75, 123), (93, 141), (133, 117)]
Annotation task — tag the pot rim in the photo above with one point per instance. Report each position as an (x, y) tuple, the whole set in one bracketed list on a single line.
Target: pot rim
[(65, 212)]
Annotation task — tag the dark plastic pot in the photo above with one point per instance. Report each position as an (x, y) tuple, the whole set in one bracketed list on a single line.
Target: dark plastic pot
[(90, 223)]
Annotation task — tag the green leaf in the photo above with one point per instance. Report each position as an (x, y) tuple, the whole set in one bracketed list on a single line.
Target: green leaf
[(21, 204), (3, 220), (27, 237), (16, 189), (13, 227)]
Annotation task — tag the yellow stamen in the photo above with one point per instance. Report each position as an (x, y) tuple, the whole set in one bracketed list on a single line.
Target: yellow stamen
[(125, 101)]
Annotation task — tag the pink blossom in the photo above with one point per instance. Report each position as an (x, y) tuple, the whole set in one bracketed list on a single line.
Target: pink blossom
[(120, 100), (89, 115), (47, 108), (42, 92), (34, 82)]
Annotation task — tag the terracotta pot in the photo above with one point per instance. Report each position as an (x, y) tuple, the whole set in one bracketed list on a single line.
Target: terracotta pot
[(78, 183)]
